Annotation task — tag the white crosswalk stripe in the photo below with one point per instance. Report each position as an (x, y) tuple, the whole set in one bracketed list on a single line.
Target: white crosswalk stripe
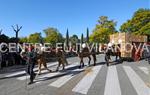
[(136, 81), (61, 81), (27, 76), (15, 74), (144, 69), (49, 74), (112, 86), (23, 72), (84, 85), (56, 73)]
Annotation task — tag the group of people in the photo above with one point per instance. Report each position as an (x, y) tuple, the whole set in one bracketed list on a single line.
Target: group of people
[(33, 56), (10, 59)]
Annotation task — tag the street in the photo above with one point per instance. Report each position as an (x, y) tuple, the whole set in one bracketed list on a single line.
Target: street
[(128, 78)]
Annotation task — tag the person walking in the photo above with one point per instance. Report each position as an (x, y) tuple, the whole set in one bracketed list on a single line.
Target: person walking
[(30, 57)]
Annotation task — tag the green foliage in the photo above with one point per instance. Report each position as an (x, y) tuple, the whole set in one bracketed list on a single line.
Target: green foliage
[(35, 38), (13, 39), (4, 38), (139, 23), (74, 39), (145, 30), (82, 39), (87, 35), (53, 36), (23, 40), (102, 30), (67, 38)]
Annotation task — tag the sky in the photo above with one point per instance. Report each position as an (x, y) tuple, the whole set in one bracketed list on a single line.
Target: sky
[(76, 15)]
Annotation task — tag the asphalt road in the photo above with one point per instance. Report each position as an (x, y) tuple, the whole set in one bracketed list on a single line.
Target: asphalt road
[(128, 78)]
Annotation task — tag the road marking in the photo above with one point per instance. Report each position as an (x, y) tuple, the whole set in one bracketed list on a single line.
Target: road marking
[(84, 85), (61, 81), (47, 75), (57, 73), (144, 69), (27, 76), (15, 74), (136, 81), (23, 72), (112, 86)]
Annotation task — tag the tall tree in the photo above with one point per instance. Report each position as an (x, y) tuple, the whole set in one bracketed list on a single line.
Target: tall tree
[(103, 29), (4, 38), (74, 39), (87, 35), (17, 29), (1, 31), (67, 38), (53, 36), (23, 40), (82, 38), (12, 39), (35, 38), (140, 19), (139, 24)]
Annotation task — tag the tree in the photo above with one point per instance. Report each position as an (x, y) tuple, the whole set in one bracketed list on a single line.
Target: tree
[(102, 30), (53, 36), (17, 29), (139, 24), (67, 38), (82, 39), (4, 38), (1, 31), (139, 20), (23, 40), (145, 30), (13, 39), (35, 38), (87, 35), (74, 39)]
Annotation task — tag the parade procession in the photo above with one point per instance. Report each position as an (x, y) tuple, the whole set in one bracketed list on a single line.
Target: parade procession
[(77, 47)]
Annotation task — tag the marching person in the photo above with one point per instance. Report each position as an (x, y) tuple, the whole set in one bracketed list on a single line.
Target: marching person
[(30, 57), (61, 58), (108, 53)]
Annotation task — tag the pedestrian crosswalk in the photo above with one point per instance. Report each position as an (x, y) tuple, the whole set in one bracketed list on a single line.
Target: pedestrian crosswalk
[(82, 87), (145, 70), (23, 72), (112, 86), (61, 81), (136, 81)]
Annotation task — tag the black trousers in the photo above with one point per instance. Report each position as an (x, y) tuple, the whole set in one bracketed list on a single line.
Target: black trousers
[(30, 67)]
